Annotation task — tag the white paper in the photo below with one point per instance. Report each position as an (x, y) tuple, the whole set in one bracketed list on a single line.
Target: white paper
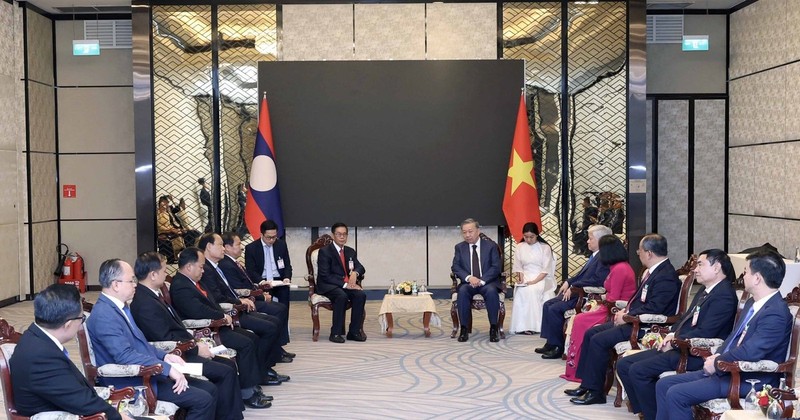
[(277, 283), (217, 350), (189, 368)]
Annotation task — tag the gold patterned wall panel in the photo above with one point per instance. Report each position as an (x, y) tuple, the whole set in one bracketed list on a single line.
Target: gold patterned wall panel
[(673, 175), (461, 31), (532, 32), (390, 31), (317, 32), (239, 98), (757, 107), (41, 107), (709, 174), (45, 258), (181, 94), (758, 38), (40, 48), (44, 192)]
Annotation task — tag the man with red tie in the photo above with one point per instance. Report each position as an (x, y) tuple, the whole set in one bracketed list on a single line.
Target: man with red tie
[(338, 275)]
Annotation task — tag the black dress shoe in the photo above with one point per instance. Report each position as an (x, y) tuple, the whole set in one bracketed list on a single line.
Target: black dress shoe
[(285, 359), (555, 353), (268, 381), (261, 394), (577, 392), (287, 354), (336, 338), (256, 402), (493, 334), (271, 374), (545, 349), (463, 336), (356, 337), (589, 398)]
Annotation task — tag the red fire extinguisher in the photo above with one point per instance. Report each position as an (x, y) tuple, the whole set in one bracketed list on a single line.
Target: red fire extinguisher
[(67, 268), (77, 271), (71, 269)]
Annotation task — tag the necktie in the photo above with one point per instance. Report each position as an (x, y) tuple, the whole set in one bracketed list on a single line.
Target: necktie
[(66, 353), (224, 280), (128, 314), (476, 262), (641, 288), (197, 285), (244, 273), (164, 302), (739, 330), (690, 312), (341, 257), (268, 271)]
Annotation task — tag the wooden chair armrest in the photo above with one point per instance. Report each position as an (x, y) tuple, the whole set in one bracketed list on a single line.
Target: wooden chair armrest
[(96, 416), (257, 292), (578, 291), (635, 326), (183, 346), (146, 373), (126, 393), (733, 391)]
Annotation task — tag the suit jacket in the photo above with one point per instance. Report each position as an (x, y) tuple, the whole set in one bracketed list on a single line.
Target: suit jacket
[(216, 286), (663, 292), (766, 338), (114, 340), (490, 262), (330, 272), (254, 259), (155, 319), (593, 274), (714, 316), (45, 380), (190, 303), (238, 278)]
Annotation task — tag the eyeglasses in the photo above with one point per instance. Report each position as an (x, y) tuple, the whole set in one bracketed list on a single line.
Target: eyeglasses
[(340, 234), (270, 238), (82, 318), (134, 281)]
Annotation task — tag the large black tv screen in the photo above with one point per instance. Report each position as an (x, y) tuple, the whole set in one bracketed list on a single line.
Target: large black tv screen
[(392, 143)]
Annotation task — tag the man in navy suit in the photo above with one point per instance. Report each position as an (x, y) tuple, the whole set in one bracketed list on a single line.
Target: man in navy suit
[(593, 274), (117, 339), (43, 376), (710, 315), (338, 275), (159, 321), (239, 279), (272, 249), (762, 333), (477, 266), (658, 294)]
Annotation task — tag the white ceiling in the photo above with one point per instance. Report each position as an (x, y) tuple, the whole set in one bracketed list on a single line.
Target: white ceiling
[(50, 5)]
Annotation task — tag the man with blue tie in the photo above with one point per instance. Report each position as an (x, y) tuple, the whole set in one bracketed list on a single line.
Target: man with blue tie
[(268, 259), (593, 274), (117, 339), (710, 315), (762, 333), (477, 266)]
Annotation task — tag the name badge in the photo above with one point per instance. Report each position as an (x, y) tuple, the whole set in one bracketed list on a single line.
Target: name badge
[(281, 266), (744, 333), (644, 293), (695, 316), (350, 265)]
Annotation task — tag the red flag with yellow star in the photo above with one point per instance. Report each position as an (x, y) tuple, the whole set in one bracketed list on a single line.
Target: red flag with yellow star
[(521, 199)]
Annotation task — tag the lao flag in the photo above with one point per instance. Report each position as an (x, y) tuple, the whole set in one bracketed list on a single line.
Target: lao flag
[(263, 197), (521, 199)]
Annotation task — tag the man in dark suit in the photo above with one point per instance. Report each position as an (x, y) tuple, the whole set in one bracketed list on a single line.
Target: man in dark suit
[(710, 315), (593, 274), (338, 275), (658, 294), (117, 339), (193, 301), (205, 205), (270, 248), (43, 376), (266, 327), (238, 278), (762, 333), (160, 322), (477, 266)]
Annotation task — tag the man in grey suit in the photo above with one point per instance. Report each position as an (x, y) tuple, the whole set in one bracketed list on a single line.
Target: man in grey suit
[(476, 264)]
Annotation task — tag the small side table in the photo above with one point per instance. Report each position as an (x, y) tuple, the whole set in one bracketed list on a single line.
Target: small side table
[(408, 303)]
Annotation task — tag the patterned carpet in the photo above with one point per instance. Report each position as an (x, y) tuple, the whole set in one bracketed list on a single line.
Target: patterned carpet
[(409, 376)]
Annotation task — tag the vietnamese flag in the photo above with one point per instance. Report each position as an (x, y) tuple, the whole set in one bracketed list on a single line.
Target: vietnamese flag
[(521, 199), (263, 196)]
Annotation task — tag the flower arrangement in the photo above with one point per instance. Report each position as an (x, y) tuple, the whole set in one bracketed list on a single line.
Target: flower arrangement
[(652, 340), (405, 288), (764, 399)]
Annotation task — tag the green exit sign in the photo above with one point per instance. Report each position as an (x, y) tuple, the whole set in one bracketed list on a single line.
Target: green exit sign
[(695, 43), (85, 47)]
